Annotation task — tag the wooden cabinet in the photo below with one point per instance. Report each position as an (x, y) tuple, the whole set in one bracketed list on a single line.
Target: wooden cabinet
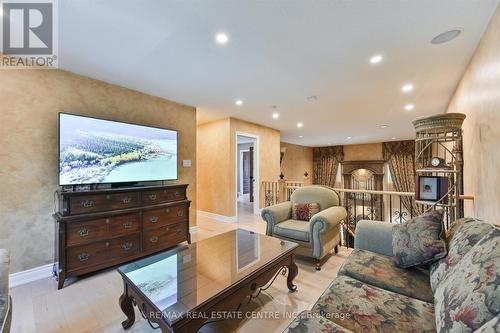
[(102, 228)]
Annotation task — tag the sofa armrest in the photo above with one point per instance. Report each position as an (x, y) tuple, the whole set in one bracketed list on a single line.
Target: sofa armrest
[(276, 214), (374, 236)]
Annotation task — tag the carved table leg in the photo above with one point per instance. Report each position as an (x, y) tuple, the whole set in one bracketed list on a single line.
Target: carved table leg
[(293, 270), (128, 309), (60, 280)]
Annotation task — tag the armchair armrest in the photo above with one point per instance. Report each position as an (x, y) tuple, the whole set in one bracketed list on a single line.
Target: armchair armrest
[(321, 223), (374, 236), (276, 214), (327, 219)]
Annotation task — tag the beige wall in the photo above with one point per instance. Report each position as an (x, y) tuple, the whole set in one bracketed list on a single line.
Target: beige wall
[(30, 101), (216, 162), (296, 160), (478, 96), (214, 166), (365, 152)]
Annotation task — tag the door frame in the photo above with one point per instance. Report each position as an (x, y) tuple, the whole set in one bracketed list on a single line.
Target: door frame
[(240, 170), (256, 162)]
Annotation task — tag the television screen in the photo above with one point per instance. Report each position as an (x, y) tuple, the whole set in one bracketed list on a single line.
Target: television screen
[(95, 151)]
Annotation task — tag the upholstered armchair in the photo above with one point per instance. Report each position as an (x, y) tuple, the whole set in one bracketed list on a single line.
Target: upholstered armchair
[(316, 237)]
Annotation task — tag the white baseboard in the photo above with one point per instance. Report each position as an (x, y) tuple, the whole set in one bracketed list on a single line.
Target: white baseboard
[(221, 218), (30, 275), (194, 229)]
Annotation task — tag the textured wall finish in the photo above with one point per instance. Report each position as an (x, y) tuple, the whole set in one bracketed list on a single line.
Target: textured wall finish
[(30, 101), (214, 166), (296, 160), (365, 152), (478, 96)]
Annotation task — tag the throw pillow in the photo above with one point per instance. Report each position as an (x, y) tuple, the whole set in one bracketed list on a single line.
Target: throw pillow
[(304, 211), (417, 241)]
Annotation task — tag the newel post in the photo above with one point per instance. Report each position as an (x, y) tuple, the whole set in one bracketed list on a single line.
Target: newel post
[(281, 190)]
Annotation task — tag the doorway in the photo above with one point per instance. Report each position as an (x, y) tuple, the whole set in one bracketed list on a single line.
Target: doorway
[(246, 174)]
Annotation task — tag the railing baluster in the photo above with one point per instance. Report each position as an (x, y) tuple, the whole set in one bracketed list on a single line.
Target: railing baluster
[(390, 208), (400, 210)]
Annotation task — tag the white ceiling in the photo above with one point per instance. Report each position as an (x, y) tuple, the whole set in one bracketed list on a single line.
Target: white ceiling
[(280, 52)]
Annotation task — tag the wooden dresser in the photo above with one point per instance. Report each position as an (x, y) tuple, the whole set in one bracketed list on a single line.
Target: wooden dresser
[(102, 228)]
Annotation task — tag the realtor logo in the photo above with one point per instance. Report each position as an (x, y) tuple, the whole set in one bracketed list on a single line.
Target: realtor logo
[(29, 34)]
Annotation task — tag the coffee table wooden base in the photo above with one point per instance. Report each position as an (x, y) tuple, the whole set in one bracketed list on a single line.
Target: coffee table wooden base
[(228, 300)]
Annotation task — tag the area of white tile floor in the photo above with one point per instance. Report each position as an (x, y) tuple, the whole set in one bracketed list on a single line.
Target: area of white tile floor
[(91, 304)]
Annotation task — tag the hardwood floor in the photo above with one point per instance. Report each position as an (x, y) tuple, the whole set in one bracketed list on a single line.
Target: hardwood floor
[(91, 304)]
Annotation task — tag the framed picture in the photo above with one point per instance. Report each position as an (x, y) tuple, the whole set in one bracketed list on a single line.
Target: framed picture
[(431, 188)]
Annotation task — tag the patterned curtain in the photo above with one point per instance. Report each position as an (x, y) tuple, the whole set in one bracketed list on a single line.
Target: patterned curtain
[(325, 164), (400, 157)]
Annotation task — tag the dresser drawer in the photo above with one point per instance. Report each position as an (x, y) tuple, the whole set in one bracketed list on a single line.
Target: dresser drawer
[(94, 230), (167, 195), (101, 202), (159, 217), (164, 237), (124, 224), (124, 247), (87, 255)]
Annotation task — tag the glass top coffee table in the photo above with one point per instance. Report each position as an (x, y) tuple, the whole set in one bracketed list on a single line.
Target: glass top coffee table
[(181, 289)]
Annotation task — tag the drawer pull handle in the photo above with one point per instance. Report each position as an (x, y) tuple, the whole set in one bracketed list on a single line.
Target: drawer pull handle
[(167, 210), (180, 213), (127, 225), (83, 232), (127, 246), (153, 219), (153, 239), (107, 244), (177, 193), (107, 221), (83, 256), (126, 200), (167, 228), (88, 203), (152, 197)]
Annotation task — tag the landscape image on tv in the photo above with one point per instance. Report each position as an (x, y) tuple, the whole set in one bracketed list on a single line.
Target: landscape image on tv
[(93, 151)]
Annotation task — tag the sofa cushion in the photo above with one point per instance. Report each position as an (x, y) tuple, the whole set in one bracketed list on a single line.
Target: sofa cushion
[(380, 271), (373, 309), (418, 241), (469, 296), (304, 211), (313, 322), (461, 237), (293, 229)]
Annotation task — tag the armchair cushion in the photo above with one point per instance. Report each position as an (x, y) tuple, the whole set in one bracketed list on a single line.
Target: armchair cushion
[(304, 211), (293, 229)]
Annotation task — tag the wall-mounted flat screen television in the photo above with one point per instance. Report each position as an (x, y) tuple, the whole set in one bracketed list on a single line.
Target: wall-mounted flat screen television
[(98, 151)]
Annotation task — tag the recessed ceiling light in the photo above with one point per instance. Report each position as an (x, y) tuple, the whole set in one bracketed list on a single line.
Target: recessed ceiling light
[(393, 138), (409, 107), (221, 38), (299, 125), (301, 136), (376, 59), (383, 126), (447, 36), (276, 115), (239, 102), (349, 138), (407, 87)]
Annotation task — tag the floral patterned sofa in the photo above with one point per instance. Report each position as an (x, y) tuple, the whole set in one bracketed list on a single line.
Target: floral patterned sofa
[(459, 293)]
